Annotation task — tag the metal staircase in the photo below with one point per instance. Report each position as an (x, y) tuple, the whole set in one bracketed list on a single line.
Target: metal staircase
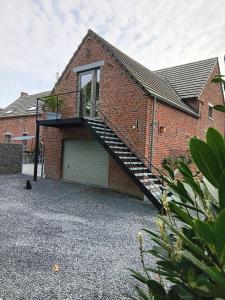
[(131, 160), (143, 173)]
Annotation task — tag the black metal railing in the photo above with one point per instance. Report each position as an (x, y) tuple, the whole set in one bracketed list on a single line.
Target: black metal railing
[(133, 149), (41, 103)]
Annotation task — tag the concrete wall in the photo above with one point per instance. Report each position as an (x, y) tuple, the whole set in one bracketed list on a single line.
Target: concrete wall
[(10, 158)]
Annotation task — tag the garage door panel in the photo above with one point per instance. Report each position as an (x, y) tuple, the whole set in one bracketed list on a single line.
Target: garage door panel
[(85, 161)]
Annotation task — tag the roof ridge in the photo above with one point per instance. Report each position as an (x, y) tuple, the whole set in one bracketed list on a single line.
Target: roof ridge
[(135, 61), (152, 83), (190, 63)]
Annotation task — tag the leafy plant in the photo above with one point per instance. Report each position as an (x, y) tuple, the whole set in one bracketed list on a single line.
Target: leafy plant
[(173, 161), (52, 102), (189, 247)]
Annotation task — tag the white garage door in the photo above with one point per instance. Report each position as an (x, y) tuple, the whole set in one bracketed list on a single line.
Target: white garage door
[(85, 161)]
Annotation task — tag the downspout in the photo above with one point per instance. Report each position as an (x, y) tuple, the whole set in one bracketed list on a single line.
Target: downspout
[(152, 130)]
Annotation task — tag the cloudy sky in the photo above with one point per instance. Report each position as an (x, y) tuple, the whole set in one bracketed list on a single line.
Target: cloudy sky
[(37, 38)]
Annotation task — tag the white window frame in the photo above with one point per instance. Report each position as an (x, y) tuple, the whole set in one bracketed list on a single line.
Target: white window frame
[(210, 105)]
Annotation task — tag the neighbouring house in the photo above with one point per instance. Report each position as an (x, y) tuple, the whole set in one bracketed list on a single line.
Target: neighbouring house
[(119, 119), (18, 121)]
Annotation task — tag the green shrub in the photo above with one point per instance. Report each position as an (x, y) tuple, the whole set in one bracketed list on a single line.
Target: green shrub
[(189, 246), (172, 161)]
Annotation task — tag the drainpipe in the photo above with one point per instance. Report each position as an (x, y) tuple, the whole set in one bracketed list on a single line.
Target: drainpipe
[(153, 130)]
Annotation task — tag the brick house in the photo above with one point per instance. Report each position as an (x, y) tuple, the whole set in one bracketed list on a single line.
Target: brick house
[(119, 119), (19, 119)]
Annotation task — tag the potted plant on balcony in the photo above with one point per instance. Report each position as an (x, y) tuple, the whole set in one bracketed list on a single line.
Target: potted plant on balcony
[(52, 105)]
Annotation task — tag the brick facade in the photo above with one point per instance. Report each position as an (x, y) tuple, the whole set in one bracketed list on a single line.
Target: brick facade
[(179, 126), (16, 126), (125, 104)]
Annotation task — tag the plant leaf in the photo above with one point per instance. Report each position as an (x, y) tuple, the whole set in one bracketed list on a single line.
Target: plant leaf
[(138, 276), (219, 108), (142, 294), (181, 213), (205, 231), (216, 276), (219, 235), (216, 142), (205, 160), (222, 191), (170, 171), (184, 169), (156, 288)]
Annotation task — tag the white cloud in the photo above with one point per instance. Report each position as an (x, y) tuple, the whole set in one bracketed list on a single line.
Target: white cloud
[(37, 38)]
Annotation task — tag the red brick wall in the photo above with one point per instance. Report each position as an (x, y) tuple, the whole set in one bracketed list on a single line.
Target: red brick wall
[(212, 93), (118, 180), (121, 182), (17, 126), (121, 99), (179, 126)]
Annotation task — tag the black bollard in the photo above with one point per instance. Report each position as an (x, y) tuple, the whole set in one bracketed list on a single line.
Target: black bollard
[(28, 185)]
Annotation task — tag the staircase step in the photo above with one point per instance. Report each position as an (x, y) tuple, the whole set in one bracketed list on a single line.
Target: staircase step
[(102, 129), (116, 143), (122, 152), (95, 119), (106, 133), (153, 187), (109, 137), (138, 168), (97, 123), (118, 147), (142, 174), (127, 157), (145, 180), (133, 162)]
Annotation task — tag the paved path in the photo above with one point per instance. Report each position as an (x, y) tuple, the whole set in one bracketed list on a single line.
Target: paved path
[(28, 169), (89, 232)]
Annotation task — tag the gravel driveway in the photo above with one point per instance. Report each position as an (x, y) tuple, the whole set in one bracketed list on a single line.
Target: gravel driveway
[(89, 232)]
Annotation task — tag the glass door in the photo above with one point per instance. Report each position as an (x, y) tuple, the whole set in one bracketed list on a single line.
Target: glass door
[(89, 93)]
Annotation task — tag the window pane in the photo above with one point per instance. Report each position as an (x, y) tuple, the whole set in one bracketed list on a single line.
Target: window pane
[(97, 91), (86, 86)]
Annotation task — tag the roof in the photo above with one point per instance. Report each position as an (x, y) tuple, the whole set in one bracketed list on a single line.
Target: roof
[(188, 80), (153, 83), (164, 84), (23, 106)]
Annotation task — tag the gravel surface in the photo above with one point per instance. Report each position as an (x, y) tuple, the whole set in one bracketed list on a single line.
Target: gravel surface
[(90, 233)]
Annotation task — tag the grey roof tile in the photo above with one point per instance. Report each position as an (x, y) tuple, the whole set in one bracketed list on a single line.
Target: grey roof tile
[(21, 106), (154, 84), (188, 80)]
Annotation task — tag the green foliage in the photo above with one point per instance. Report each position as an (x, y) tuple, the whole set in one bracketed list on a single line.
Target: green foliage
[(51, 103), (218, 79), (189, 248), (173, 160)]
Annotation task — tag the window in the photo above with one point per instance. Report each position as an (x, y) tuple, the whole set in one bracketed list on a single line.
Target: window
[(89, 93), (210, 111), (24, 141), (9, 111), (32, 108), (8, 137)]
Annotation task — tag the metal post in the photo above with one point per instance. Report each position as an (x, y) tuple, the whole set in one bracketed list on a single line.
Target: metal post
[(37, 103), (153, 130), (57, 107), (36, 151), (42, 158)]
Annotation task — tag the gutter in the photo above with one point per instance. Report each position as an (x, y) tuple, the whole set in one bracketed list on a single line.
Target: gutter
[(167, 101), (153, 130)]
